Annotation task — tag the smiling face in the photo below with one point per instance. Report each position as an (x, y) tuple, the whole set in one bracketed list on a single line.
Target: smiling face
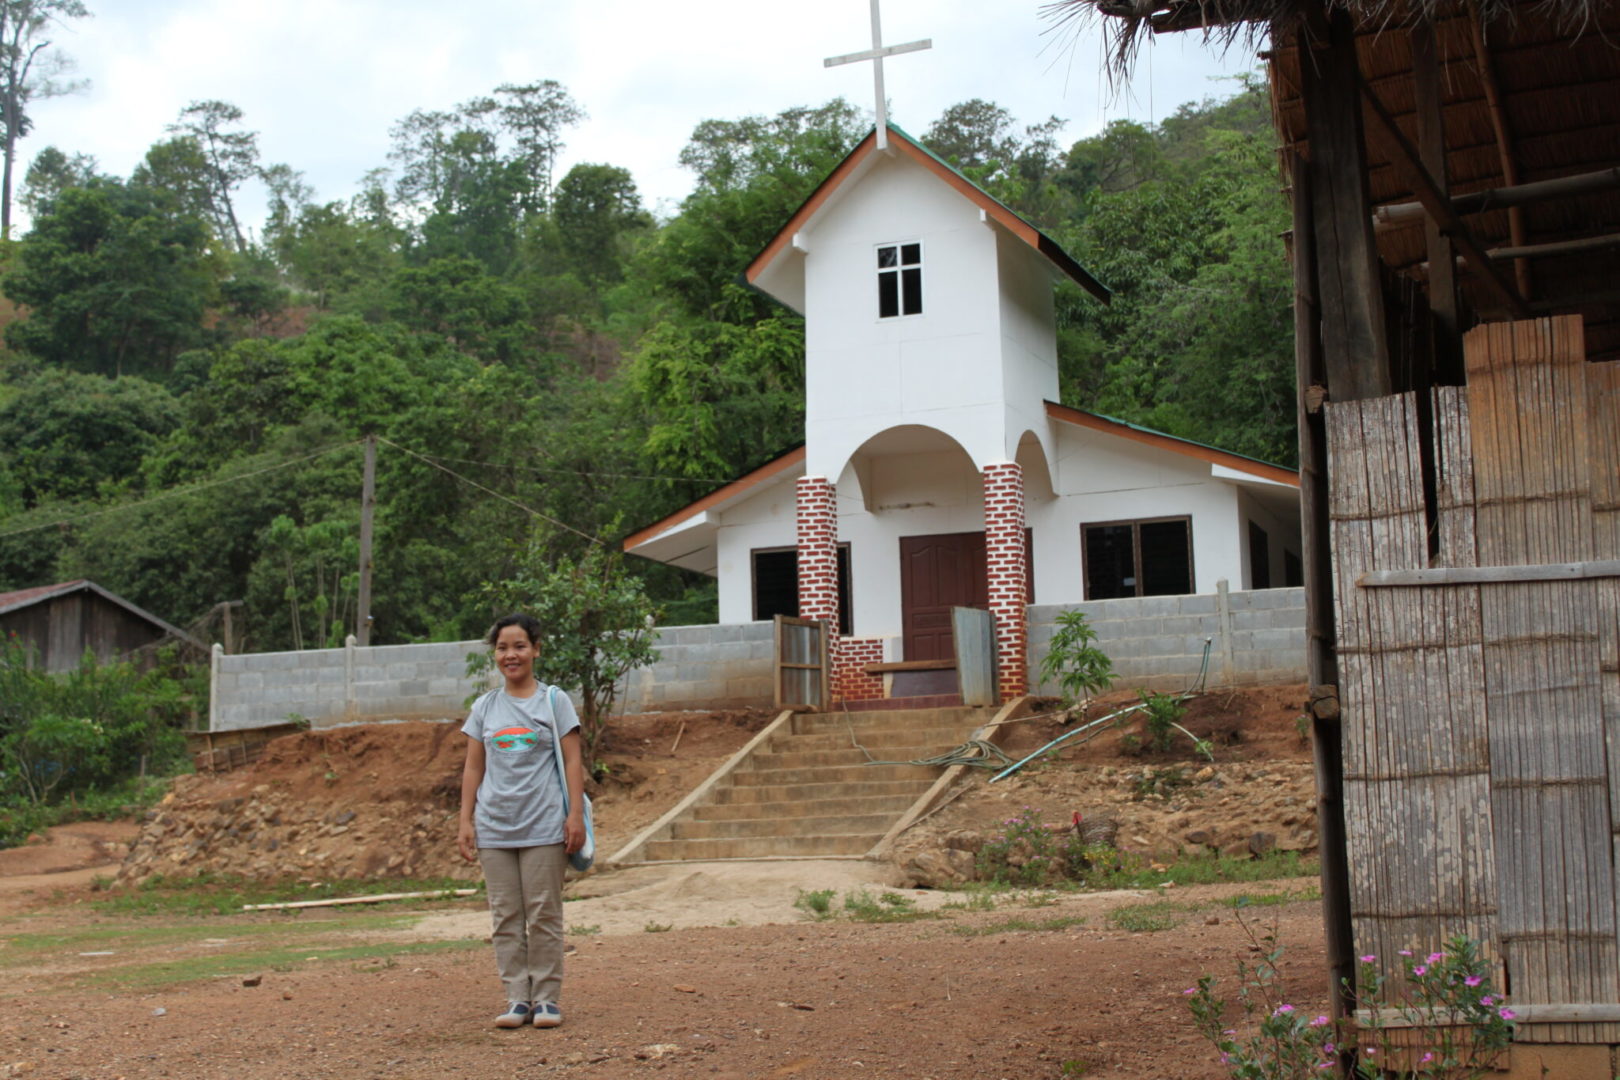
[(515, 655)]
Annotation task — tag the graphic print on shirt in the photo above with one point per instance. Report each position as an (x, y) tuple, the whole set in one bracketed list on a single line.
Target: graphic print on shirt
[(515, 739)]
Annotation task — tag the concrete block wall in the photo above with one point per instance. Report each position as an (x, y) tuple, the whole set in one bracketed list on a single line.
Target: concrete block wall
[(697, 667), (700, 667), (1157, 642), (330, 686)]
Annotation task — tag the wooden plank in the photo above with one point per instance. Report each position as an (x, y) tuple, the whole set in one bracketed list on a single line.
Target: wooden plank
[(1416, 792), (1480, 575), (1550, 801), (1603, 418), (1355, 349)]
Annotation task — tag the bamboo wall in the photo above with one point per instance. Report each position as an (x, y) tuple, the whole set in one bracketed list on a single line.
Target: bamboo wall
[(1481, 706)]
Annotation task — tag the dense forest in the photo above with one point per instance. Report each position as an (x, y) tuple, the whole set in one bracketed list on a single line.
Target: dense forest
[(183, 394)]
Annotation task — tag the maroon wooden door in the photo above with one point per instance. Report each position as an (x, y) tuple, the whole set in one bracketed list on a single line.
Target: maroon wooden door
[(938, 573)]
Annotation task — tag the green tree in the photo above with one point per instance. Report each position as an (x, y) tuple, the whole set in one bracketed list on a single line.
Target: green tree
[(29, 71), (69, 436), (114, 282), (335, 254), (597, 214), (51, 173), (231, 156), (535, 115), (720, 398), (598, 624)]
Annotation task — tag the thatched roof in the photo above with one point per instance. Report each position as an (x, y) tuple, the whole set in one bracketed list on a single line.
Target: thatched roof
[(1530, 90), (1127, 24)]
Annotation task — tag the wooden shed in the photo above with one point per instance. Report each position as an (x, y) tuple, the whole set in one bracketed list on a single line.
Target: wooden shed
[(61, 623), (1455, 179)]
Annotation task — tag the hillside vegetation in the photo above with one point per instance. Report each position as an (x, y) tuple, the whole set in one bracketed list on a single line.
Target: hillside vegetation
[(183, 395)]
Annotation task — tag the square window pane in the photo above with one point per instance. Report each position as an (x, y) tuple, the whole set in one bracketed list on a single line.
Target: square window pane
[(886, 257), (1166, 558), (1110, 562), (911, 290), (888, 295), (910, 254), (776, 583)]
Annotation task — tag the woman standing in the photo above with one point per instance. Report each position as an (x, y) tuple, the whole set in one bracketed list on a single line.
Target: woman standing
[(513, 822)]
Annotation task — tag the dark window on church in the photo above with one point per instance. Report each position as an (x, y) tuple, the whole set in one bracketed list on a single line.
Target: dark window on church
[(1259, 558), (899, 280), (1138, 558), (776, 585)]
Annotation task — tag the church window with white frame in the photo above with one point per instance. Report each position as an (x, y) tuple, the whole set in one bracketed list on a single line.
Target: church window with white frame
[(899, 280)]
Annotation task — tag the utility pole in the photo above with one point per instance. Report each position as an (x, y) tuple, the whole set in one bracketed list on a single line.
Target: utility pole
[(368, 505)]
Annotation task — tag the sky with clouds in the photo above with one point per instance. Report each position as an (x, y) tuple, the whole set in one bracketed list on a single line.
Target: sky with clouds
[(322, 80)]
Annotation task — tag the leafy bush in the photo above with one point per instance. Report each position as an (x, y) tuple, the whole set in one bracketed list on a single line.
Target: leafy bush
[(1074, 661), (81, 737), (817, 903), (1455, 1023), (1028, 851)]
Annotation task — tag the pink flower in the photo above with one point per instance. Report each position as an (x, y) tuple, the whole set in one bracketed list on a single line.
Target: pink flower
[(1369, 958), (1283, 1009), (1473, 980), (1406, 952), (1320, 1021), (1190, 990), (1436, 957), (1487, 1000), (1425, 1059), (1507, 1014), (1420, 969)]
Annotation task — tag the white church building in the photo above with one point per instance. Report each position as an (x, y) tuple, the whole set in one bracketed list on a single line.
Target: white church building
[(938, 469)]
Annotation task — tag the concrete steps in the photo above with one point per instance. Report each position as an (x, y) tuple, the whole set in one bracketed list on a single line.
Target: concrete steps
[(807, 792)]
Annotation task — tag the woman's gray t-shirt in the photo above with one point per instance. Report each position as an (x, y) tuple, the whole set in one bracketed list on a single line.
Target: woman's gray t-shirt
[(520, 802)]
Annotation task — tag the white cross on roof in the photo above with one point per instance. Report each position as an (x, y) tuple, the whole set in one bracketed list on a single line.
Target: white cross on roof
[(876, 54)]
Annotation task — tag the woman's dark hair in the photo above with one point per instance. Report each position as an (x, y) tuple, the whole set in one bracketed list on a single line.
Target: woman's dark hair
[(527, 623)]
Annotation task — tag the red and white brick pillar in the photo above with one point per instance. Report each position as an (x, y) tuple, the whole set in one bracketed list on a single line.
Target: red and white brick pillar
[(1007, 570), (818, 553)]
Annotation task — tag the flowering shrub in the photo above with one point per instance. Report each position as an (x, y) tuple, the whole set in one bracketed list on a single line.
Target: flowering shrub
[(1283, 1042), (1028, 851), (1447, 997), (1457, 1022)]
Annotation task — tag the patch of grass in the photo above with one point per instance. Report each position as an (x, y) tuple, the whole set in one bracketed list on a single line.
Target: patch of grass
[(25, 949), (285, 958), (1201, 869), (1275, 899), (657, 928), (816, 903), (224, 894), (1144, 918), (585, 930), (1018, 925), (974, 900), (862, 906)]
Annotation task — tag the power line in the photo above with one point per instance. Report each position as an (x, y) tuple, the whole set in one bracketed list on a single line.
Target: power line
[(491, 491), (574, 472), (187, 490)]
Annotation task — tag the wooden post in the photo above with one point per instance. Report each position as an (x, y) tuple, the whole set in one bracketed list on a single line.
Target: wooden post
[(1355, 349), (368, 506), (1317, 558), (1447, 343)]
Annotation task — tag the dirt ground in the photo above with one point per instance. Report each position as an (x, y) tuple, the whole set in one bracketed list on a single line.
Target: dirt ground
[(700, 970)]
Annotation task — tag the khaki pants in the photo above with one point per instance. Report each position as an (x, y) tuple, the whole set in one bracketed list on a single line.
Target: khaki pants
[(525, 906)]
